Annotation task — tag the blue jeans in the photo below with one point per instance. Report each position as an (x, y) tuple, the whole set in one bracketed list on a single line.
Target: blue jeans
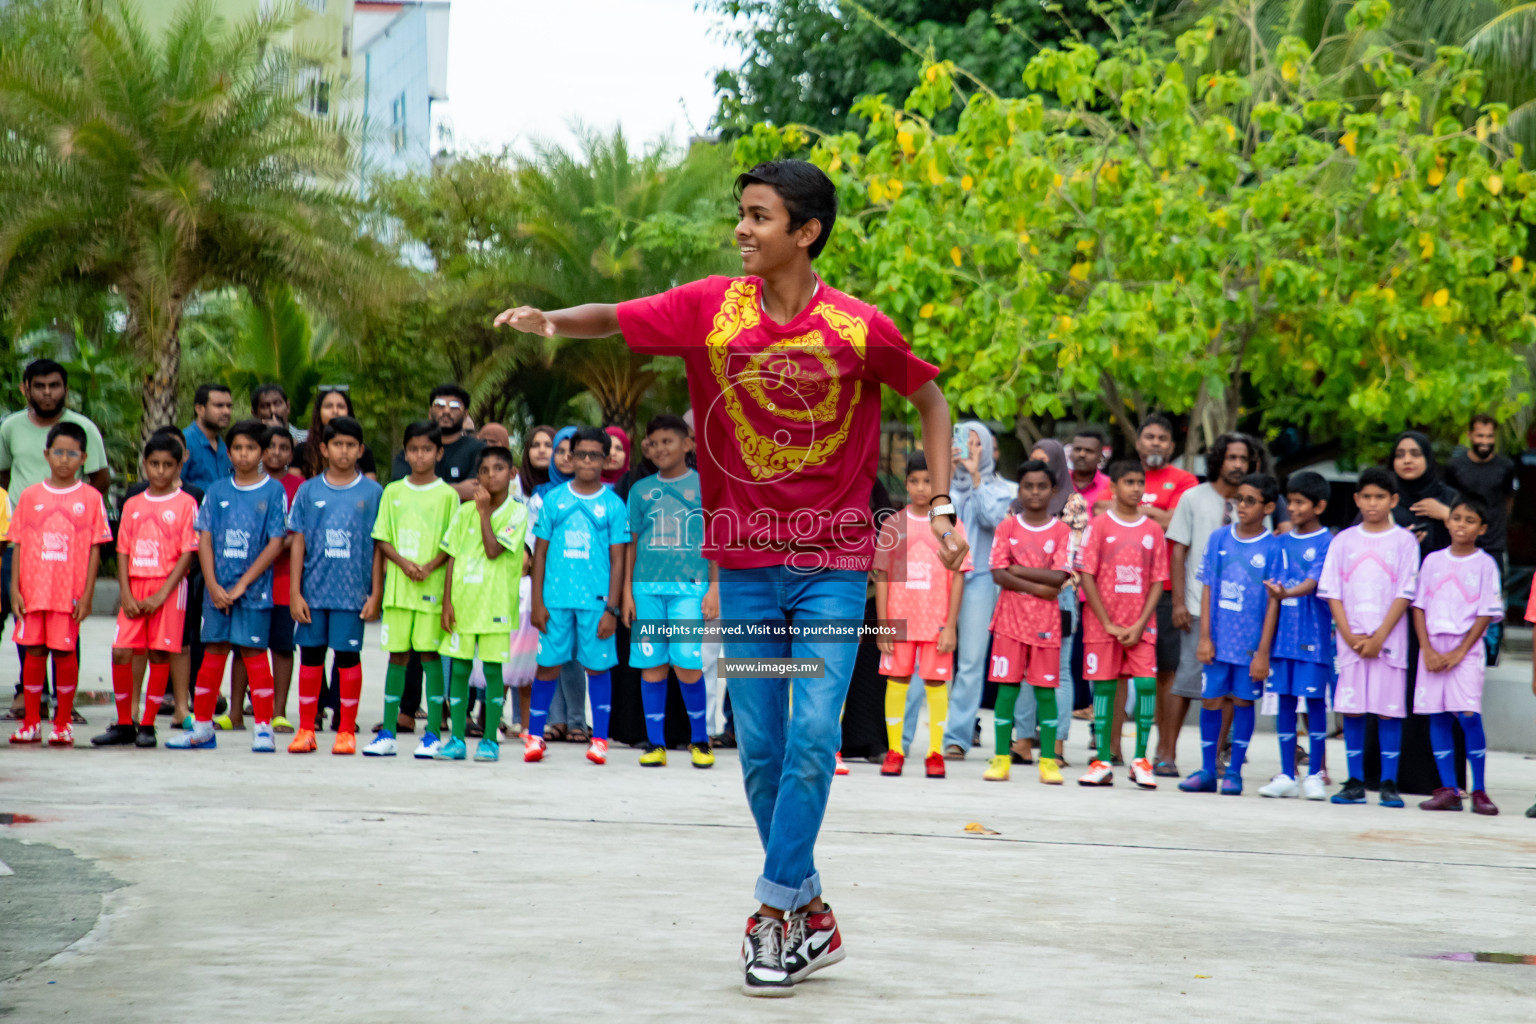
[(787, 759), (976, 606)]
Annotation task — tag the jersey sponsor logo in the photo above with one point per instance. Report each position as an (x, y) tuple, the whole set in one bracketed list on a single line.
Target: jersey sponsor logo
[(146, 553), (237, 544), (55, 546), (1231, 596), (338, 543), (78, 508), (1257, 561), (1050, 546), (1146, 541), (1128, 579), (223, 504), (1310, 554), (167, 516), (320, 503)]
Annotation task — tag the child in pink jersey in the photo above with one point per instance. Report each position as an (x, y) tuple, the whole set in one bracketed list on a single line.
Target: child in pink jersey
[(1370, 577)]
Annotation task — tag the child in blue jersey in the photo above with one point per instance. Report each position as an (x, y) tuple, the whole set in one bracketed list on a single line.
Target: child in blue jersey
[(578, 575), (1301, 662), (1237, 624), (331, 583), (669, 584), (240, 534)]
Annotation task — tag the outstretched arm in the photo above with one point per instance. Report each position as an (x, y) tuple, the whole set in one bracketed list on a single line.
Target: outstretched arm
[(594, 320)]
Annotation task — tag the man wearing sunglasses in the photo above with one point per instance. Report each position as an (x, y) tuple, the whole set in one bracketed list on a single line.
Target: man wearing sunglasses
[(448, 406)]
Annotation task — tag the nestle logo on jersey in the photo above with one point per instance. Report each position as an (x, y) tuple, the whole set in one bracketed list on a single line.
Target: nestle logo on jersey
[(338, 543), (55, 547), (1127, 579)]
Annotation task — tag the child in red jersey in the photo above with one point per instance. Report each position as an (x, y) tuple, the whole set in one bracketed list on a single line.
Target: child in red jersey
[(1123, 563), (56, 528)]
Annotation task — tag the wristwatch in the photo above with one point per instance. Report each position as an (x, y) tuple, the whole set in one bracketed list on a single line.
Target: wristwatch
[(611, 610), (945, 509)]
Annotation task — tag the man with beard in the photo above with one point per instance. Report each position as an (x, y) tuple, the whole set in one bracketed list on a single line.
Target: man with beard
[(1201, 512), (448, 407), (269, 403), (23, 436), (207, 456), (1479, 470)]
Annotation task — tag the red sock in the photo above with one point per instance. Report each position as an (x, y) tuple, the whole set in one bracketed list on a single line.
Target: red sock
[(66, 678), (258, 675), (209, 679), (351, 686), (310, 679), (34, 679), (122, 691), (154, 691)]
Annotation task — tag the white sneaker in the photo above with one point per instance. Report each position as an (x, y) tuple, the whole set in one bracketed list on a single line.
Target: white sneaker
[(1281, 785), (383, 745), (262, 740), (1313, 787), (429, 747)]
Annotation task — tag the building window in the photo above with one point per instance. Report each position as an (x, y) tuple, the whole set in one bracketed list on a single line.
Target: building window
[(319, 97), (318, 6), (397, 123)]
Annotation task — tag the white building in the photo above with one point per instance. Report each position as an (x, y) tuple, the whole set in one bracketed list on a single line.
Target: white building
[(399, 70)]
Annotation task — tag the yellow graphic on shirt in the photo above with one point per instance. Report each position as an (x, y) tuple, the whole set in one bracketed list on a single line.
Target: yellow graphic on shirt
[(781, 385)]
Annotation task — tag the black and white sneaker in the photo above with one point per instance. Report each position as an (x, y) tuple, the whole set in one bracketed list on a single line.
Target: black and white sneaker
[(762, 958), (811, 942)]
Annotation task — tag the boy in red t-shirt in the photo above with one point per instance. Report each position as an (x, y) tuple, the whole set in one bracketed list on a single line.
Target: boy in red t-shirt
[(918, 597), (56, 528), (1123, 563), (1031, 550), (156, 543)]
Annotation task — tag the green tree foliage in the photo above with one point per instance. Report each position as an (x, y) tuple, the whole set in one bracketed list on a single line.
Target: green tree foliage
[(1118, 240)]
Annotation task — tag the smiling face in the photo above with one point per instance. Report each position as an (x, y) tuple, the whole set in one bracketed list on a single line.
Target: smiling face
[(667, 451), (763, 235), (1482, 438)]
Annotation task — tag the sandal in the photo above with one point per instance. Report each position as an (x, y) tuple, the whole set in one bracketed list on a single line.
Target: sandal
[(554, 733), (577, 735), (421, 714), (1022, 752), (1165, 770), (725, 741)]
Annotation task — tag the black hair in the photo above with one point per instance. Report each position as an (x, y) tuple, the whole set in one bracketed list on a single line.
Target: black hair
[(254, 429), (43, 368), (1039, 466), (422, 428), (450, 390), (1216, 455), (1376, 476), (1155, 419), (1309, 485), (531, 475), (495, 451), (1120, 467), (159, 442), (66, 428), (917, 462), (807, 192), (276, 434), (1482, 417), (1477, 506), (175, 434), (592, 434), (263, 390), (343, 426), (1093, 432), (668, 421), (206, 390), (1267, 486)]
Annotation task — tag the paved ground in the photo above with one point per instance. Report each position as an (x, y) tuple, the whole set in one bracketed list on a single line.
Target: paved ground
[(239, 887)]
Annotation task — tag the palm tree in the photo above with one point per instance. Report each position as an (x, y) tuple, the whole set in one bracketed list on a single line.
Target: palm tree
[(159, 169), (272, 340)]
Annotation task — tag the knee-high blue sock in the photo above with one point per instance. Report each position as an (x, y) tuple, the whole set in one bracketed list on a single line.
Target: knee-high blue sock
[(1354, 745), (1390, 733), (538, 705), (1477, 746), (1317, 733), (1442, 739), (600, 688), (653, 698), (1285, 726), (696, 700), (1210, 738), (1243, 717)]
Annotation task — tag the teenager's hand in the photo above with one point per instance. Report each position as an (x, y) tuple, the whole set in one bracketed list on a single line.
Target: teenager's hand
[(82, 608), (627, 608), (1258, 669), (1276, 590), (371, 608), (415, 571), (447, 618), (539, 617), (130, 606), (526, 319), (151, 603), (606, 626), (299, 609), (952, 549), (1450, 659), (482, 499), (947, 639), (711, 603), (220, 597), (1205, 652), (1434, 661), (1133, 635), (236, 592), (886, 644), (18, 606), (1182, 620), (1372, 647)]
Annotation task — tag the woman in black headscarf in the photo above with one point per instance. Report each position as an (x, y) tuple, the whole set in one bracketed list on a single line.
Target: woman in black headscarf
[(1423, 500)]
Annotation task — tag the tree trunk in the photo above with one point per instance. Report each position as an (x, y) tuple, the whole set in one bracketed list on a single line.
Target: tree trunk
[(160, 390)]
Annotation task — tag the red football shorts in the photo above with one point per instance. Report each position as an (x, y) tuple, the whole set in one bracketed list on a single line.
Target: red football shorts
[(1113, 660), (160, 630), (924, 658), (57, 631), (1014, 661)]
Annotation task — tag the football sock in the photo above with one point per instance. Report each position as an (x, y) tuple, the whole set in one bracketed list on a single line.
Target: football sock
[(394, 689), (1354, 745), (1285, 728), (66, 679), (210, 676), (434, 687), (1002, 715), (350, 688), (34, 679), (653, 698), (311, 678), (1243, 717), (458, 696), (896, 712), (154, 691), (1103, 714), (1390, 732), (1442, 740), (696, 700), (122, 691), (1477, 745), (258, 674), (1045, 714), (1146, 710), (538, 705), (1210, 738), (600, 688), (1317, 733), (938, 714), (495, 699)]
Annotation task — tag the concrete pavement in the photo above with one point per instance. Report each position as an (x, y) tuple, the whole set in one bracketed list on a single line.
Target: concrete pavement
[(239, 887)]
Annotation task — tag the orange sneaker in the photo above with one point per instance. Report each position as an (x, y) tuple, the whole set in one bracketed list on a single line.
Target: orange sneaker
[(933, 765), (597, 751), (61, 736), (303, 742), (30, 732), (346, 743), (893, 763), (841, 768), (533, 748)]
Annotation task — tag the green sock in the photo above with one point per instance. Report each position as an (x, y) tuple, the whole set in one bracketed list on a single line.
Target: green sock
[(1002, 715), (1045, 714), (1104, 713), (394, 686), (1146, 708), (495, 699), (458, 696), (432, 689)]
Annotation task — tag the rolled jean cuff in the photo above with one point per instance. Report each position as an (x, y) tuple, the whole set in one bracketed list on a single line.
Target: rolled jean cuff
[(782, 897)]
